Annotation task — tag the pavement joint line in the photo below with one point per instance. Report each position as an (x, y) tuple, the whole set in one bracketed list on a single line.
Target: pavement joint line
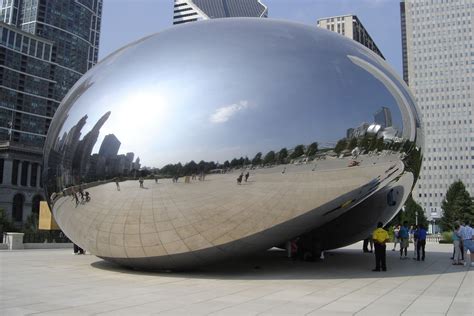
[(106, 301), (210, 299), (457, 291), (398, 286), (338, 298), (424, 290), (167, 310)]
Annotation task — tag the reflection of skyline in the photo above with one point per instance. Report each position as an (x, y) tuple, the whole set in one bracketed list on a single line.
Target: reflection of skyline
[(154, 116), (381, 126), (73, 159)]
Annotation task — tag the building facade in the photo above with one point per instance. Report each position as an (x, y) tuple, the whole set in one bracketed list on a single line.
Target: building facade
[(195, 10), (45, 47), (351, 27), (438, 57)]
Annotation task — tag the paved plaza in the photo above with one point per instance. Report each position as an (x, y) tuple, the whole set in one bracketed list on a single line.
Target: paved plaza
[(56, 282)]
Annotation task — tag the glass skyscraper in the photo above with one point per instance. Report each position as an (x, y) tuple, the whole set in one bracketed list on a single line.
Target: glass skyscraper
[(438, 64), (194, 10), (45, 47)]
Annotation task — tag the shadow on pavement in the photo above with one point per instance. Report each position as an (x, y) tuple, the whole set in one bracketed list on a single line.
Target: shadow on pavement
[(338, 264)]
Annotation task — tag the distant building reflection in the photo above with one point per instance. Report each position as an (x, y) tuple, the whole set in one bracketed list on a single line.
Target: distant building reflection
[(75, 163)]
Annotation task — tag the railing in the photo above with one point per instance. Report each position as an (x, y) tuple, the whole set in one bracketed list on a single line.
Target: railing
[(433, 238), (53, 236)]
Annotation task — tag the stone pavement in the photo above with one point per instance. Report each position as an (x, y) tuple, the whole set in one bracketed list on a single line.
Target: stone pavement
[(56, 282)]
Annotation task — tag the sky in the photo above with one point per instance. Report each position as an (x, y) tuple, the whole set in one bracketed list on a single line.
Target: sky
[(124, 21)]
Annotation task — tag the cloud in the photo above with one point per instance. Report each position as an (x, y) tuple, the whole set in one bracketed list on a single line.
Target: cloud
[(223, 114)]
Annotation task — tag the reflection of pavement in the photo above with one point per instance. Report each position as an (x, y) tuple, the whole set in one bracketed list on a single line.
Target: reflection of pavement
[(56, 282), (169, 218)]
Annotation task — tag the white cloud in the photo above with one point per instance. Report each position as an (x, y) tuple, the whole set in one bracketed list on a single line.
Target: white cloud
[(223, 114)]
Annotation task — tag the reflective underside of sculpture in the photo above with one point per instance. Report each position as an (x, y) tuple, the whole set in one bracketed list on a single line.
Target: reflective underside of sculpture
[(189, 102)]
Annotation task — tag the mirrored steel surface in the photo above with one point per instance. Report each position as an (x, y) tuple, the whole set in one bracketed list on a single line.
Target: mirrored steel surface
[(147, 156)]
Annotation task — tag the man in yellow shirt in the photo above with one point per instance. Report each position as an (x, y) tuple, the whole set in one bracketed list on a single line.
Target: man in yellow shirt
[(380, 237)]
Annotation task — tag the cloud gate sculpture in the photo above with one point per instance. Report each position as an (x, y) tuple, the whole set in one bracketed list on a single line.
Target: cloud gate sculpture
[(225, 137)]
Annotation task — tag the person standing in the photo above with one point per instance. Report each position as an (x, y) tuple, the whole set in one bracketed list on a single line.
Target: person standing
[(368, 241), (396, 239), (380, 237), (413, 236), (403, 235), (466, 234), (456, 244), (420, 242)]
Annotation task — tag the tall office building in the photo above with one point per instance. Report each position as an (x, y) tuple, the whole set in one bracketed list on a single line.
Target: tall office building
[(383, 117), (351, 27), (438, 56), (194, 10), (45, 47)]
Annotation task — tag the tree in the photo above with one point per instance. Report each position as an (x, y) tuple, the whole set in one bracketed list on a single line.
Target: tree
[(6, 224), (297, 152), (364, 142), (234, 162), (312, 149), (340, 146), (412, 211), (269, 158), (352, 143), (31, 224), (226, 164), (282, 155), (257, 160), (457, 206)]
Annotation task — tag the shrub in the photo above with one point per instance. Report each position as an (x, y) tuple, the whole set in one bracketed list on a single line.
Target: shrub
[(447, 238)]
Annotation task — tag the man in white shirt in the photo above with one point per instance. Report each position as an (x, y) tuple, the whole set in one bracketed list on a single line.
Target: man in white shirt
[(466, 233)]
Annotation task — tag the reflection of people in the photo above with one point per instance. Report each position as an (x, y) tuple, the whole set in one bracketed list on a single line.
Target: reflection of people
[(247, 176), (140, 180), (380, 237)]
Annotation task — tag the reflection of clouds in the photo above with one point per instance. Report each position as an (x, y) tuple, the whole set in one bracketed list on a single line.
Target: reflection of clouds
[(223, 114)]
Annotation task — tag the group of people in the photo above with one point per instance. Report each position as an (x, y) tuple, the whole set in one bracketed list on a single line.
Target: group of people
[(80, 193), (462, 241), (241, 176), (402, 233)]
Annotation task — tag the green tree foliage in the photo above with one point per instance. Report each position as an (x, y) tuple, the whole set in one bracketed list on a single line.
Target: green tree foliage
[(364, 142), (352, 143), (457, 206), (31, 224), (312, 149), (257, 160), (269, 158), (297, 152), (412, 210), (282, 155), (6, 224), (340, 146)]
